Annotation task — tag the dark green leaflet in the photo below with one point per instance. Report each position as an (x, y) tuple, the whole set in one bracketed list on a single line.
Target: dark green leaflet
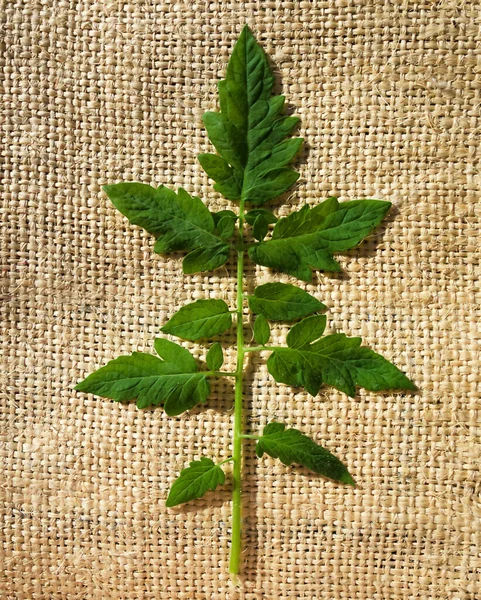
[(307, 239), (283, 302), (338, 361), (194, 481), (225, 221), (249, 131), (173, 381), (255, 213), (178, 221), (291, 446), (306, 331), (200, 319)]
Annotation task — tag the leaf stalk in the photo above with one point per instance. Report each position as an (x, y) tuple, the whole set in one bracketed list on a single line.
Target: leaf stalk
[(236, 538)]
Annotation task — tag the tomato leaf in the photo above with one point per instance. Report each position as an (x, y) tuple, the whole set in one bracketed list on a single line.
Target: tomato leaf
[(178, 221), (336, 360)]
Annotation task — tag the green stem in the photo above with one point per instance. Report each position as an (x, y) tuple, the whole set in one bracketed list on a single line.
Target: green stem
[(236, 539), (230, 459), (260, 348), (250, 437)]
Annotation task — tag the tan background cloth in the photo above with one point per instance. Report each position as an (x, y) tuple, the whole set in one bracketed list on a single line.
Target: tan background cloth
[(94, 92)]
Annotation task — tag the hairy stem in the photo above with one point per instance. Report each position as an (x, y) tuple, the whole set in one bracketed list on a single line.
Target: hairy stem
[(236, 539), (260, 348)]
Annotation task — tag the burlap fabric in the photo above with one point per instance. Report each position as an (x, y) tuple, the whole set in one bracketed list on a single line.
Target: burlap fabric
[(96, 92)]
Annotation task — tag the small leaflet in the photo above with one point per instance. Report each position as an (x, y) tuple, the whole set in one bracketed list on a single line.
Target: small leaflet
[(215, 357), (262, 331), (291, 446), (283, 302), (200, 319), (194, 481), (306, 331), (225, 221)]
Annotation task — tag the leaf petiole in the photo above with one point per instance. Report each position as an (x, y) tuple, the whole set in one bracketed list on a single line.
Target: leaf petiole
[(236, 536)]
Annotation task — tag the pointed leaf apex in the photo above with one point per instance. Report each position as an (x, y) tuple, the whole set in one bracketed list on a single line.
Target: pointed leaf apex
[(246, 30), (347, 479)]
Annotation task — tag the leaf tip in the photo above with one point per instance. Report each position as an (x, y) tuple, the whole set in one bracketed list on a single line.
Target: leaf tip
[(169, 503), (108, 188), (410, 385), (387, 206), (347, 479)]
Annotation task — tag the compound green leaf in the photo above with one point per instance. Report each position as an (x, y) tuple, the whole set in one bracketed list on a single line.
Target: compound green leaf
[(307, 239), (178, 221), (150, 380), (283, 302), (194, 481), (291, 446), (250, 130), (200, 319)]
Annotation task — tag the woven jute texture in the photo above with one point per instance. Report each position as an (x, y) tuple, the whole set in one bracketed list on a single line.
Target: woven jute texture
[(389, 95)]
